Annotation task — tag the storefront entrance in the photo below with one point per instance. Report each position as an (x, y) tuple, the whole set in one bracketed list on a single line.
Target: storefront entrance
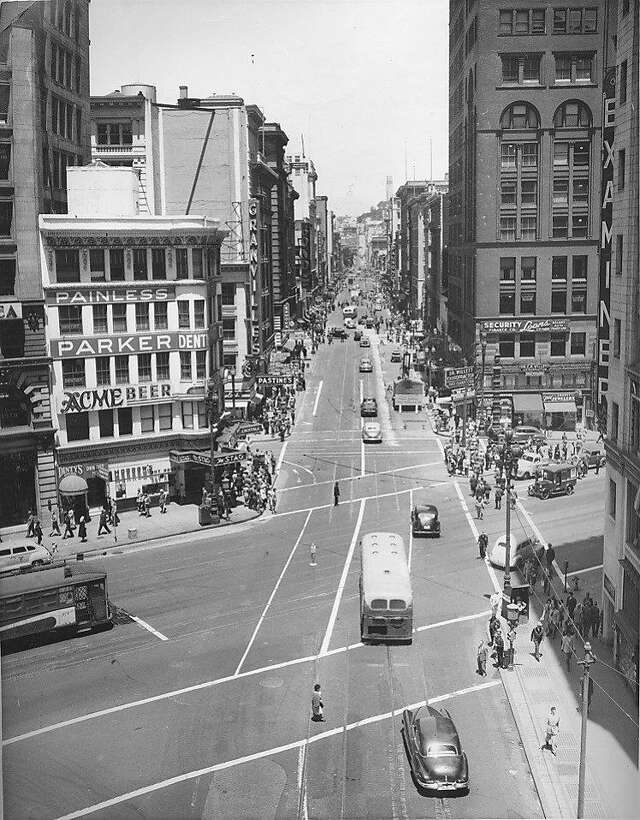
[(17, 487), (96, 491), (195, 478)]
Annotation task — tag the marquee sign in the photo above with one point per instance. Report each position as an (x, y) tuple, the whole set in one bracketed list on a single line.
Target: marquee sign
[(524, 325), (102, 295), (254, 272), (71, 348), (107, 398), (274, 380), (552, 398)]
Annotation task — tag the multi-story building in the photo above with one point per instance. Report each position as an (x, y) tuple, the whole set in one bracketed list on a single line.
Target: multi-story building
[(525, 102), (304, 177), (619, 364), (44, 128), (324, 228), (133, 315)]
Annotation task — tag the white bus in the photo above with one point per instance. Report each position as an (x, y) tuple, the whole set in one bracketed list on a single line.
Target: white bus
[(386, 600)]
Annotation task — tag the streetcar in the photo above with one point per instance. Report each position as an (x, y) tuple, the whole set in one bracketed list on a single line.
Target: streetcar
[(386, 600), (62, 597)]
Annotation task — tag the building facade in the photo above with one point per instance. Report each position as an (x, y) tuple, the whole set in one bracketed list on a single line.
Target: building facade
[(525, 102), (303, 177), (44, 128), (619, 366), (133, 307)]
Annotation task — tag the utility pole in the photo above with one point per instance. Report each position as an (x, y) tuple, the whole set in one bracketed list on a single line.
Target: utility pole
[(586, 662)]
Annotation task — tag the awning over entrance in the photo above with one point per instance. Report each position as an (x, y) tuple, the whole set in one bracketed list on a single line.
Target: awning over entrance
[(560, 406), (73, 485), (190, 458), (528, 403)]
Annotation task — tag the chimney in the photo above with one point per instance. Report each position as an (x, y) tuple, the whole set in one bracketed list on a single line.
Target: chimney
[(184, 92)]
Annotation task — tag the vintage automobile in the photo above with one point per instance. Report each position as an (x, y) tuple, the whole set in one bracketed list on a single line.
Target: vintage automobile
[(372, 432), (437, 760), (519, 551), (339, 333), (425, 520), (522, 433), (364, 342), (590, 456), (554, 479), (357, 336), (396, 355), (369, 407), (529, 464), (365, 365)]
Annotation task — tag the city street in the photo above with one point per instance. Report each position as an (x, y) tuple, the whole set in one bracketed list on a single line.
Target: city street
[(201, 708)]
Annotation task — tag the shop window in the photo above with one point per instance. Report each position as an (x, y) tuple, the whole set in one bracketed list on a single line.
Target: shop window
[(182, 265), (5, 160), (7, 277), (201, 364), (160, 318), (70, 318), (119, 317), (103, 370), (144, 367), (122, 370), (162, 367), (147, 418), (73, 373), (105, 423), (158, 263), (77, 426), (187, 415), (528, 302), (12, 338), (97, 265), (197, 269), (140, 271), (67, 265), (527, 345), (184, 318), (142, 316), (507, 302), (228, 294), (578, 344), (125, 421), (558, 344), (116, 264), (185, 366), (100, 319), (506, 346), (203, 422), (165, 417)]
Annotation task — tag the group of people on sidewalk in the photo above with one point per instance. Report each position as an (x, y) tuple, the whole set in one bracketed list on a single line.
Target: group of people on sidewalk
[(108, 516)]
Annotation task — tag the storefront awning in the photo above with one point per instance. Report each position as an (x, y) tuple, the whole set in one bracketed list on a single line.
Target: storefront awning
[(528, 403), (560, 406), (72, 485)]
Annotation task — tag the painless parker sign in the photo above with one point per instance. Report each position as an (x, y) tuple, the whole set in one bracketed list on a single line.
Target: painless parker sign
[(71, 348), (100, 296), (108, 398)]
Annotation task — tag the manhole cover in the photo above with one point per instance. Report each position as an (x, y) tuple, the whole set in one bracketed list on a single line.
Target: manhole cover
[(271, 683)]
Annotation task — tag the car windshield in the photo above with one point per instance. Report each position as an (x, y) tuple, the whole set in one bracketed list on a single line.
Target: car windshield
[(441, 750), (426, 517), (528, 457)]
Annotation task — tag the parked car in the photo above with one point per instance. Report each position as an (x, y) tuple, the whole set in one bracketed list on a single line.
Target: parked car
[(522, 433), (365, 365), (364, 342), (590, 456), (425, 520), (555, 479), (357, 336), (350, 323), (371, 432), (369, 407), (433, 748), (339, 333), (529, 464), (396, 355), (519, 550), (23, 555)]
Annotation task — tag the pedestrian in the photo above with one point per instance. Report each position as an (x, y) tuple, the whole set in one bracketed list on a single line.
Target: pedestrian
[(499, 647), (578, 616), (55, 527), (497, 494), (494, 626), (494, 602), (550, 555), (162, 500), (31, 521), (482, 544), (537, 635), (479, 507), (102, 524), (37, 531), (571, 604), (272, 499), (482, 655), (513, 495), (336, 494), (68, 528), (317, 706), (566, 647), (82, 529), (598, 466), (147, 505), (552, 730), (115, 518), (546, 581)]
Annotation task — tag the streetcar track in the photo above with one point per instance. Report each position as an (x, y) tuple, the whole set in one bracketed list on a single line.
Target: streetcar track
[(397, 779)]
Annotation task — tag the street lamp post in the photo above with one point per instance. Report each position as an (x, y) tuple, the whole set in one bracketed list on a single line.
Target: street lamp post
[(232, 373), (483, 347), (586, 662), (510, 454)]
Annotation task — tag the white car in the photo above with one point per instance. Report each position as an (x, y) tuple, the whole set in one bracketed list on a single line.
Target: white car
[(529, 463), (497, 554), (372, 432), (350, 323), (26, 555)]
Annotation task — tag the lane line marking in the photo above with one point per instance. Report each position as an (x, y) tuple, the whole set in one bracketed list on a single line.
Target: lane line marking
[(370, 474), (300, 467), (343, 581), (273, 594), (281, 457), (315, 405), (239, 761), (410, 528), (459, 620), (586, 569), (497, 586), (145, 625), (346, 501)]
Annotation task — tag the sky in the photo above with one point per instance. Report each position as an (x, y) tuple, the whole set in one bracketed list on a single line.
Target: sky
[(363, 82)]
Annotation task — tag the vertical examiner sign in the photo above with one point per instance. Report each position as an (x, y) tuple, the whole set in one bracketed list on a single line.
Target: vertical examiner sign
[(608, 127)]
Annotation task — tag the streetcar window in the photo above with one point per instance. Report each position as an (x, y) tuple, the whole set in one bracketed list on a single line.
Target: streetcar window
[(397, 603), (378, 603)]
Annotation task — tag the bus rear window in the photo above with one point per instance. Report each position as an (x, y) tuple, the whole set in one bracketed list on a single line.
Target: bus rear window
[(397, 603), (379, 603)]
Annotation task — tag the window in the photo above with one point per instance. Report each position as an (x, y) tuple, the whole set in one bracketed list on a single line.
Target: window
[(147, 418), (228, 294), (73, 373), (558, 344), (508, 192), (575, 20), (521, 21), (615, 419), (617, 333), (7, 277), (528, 302), (560, 226), (122, 370), (103, 370), (142, 316), (528, 227), (622, 161), (158, 263), (5, 159), (527, 345), (96, 264), (612, 498), (196, 263), (67, 265), (634, 427), (198, 313), (559, 268), (184, 319), (140, 263), (78, 83), (187, 415), (622, 90), (519, 116), (116, 264), (202, 415), (119, 316), (507, 228), (520, 69), (572, 114), (114, 133), (574, 68), (579, 226), (579, 298), (578, 344), (185, 366), (619, 253), (144, 367), (559, 300), (6, 218), (182, 265), (528, 268), (165, 416), (529, 191), (162, 367), (229, 359), (77, 426), (507, 269), (506, 346), (508, 156), (4, 102), (228, 328), (507, 301), (105, 423), (160, 318), (201, 364), (125, 421), (579, 267), (70, 318)]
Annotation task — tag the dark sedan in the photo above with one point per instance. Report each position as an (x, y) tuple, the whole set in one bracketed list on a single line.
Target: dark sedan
[(369, 407), (424, 520), (435, 753)]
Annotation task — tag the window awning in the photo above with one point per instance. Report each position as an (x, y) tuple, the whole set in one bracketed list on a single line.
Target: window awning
[(560, 406), (72, 484), (527, 403)]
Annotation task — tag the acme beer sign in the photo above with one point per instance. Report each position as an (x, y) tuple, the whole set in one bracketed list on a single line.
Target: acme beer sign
[(71, 348), (108, 398)]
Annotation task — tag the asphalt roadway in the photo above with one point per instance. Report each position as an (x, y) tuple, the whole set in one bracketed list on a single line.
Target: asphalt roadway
[(201, 707)]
